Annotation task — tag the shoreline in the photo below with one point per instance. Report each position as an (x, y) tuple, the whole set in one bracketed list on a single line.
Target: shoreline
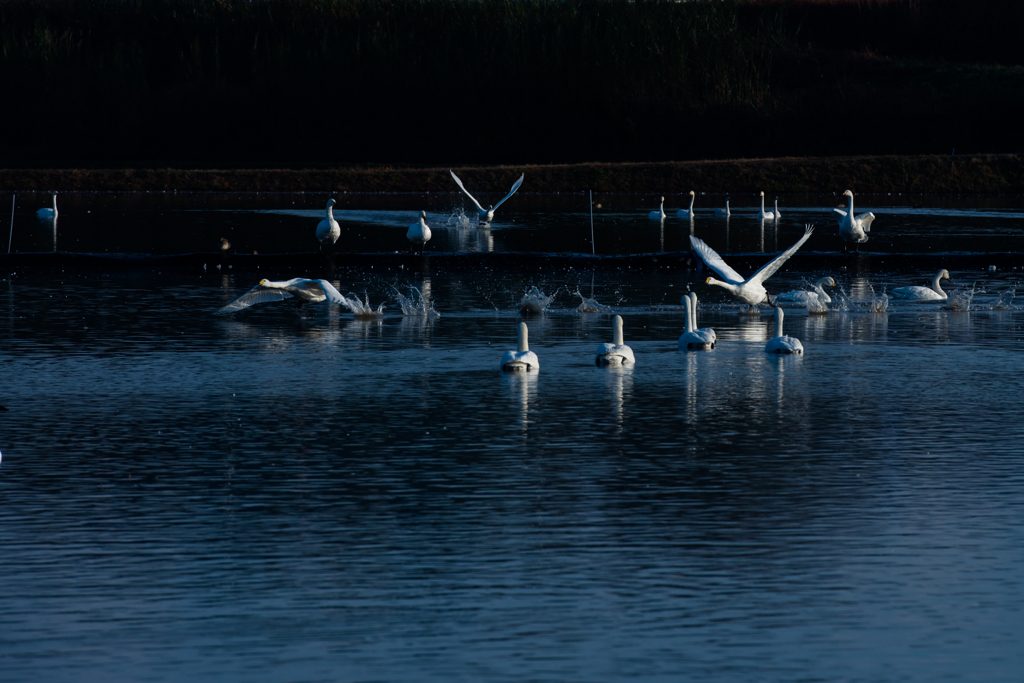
[(918, 174)]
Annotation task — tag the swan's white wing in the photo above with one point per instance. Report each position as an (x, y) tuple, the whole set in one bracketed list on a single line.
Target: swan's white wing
[(714, 261), (256, 295), (514, 188), (769, 269), (333, 295), (463, 188), (865, 220), (839, 212)]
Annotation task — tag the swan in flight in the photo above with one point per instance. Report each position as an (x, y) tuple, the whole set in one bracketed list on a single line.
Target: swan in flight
[(487, 215), (419, 233), (780, 343), (522, 359), (49, 213), (853, 229), (765, 215), (302, 290), (687, 213), (660, 214), (616, 353), (328, 228), (776, 212), (693, 339), (933, 293), (808, 298), (724, 213), (751, 290), (704, 331)]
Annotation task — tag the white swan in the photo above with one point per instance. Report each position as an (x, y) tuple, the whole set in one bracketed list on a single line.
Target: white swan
[(808, 298), (49, 213), (777, 214), (419, 233), (751, 290), (765, 215), (691, 339), (660, 214), (522, 359), (487, 215), (724, 213), (853, 229), (781, 343), (687, 213), (933, 293), (702, 331), (328, 228), (616, 353), (301, 289)]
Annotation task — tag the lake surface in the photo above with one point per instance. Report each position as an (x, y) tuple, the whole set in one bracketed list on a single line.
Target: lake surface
[(300, 495)]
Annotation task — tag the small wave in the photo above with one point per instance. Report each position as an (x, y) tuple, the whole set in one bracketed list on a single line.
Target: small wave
[(590, 305)]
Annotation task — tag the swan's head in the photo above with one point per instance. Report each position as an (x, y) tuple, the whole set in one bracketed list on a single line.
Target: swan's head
[(944, 274), (264, 282), (762, 194), (848, 193), (691, 193), (826, 282), (708, 281), (330, 203), (662, 199), (423, 215)]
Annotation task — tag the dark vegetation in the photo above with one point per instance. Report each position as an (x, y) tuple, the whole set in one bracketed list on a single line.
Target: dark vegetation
[(171, 82)]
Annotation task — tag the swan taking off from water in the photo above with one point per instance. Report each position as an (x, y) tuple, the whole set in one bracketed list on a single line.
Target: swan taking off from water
[(522, 359), (660, 214), (765, 215), (808, 298), (616, 353), (692, 339), (487, 215), (49, 213), (687, 213), (419, 233), (853, 229), (328, 228), (933, 293), (751, 290), (781, 343), (302, 290), (724, 213)]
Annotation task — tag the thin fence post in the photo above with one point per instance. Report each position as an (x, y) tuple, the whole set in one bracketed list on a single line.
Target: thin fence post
[(591, 192), (10, 237)]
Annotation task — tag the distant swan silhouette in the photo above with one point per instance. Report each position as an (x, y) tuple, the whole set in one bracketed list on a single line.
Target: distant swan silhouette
[(933, 293), (328, 228), (522, 359), (781, 343), (49, 213), (419, 233), (778, 215), (765, 215), (726, 212), (487, 215), (687, 213), (616, 353), (660, 214)]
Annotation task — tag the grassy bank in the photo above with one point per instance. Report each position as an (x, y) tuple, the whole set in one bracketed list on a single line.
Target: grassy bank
[(1002, 174), (531, 81)]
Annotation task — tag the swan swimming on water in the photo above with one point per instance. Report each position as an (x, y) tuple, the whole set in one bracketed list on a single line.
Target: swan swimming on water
[(853, 229), (765, 215), (328, 228), (691, 339), (522, 359), (781, 343), (660, 214), (687, 213), (724, 213), (933, 293), (301, 289), (419, 233), (49, 213), (809, 298), (750, 291), (702, 331), (616, 353), (487, 215), (776, 212)]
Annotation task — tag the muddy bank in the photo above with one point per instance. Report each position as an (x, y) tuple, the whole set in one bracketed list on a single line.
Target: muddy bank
[(927, 174)]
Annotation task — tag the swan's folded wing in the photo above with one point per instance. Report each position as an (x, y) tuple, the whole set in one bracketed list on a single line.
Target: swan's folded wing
[(714, 261), (514, 188), (463, 188), (770, 268), (256, 295), (333, 295), (865, 220)]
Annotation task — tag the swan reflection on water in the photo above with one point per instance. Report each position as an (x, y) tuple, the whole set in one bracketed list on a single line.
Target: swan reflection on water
[(619, 383), (522, 387)]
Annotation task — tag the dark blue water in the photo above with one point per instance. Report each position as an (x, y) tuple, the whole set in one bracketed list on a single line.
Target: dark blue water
[(298, 495)]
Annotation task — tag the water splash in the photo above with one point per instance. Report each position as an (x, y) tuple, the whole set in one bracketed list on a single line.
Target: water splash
[(535, 302), (1005, 301), (459, 219), (416, 304), (361, 309), (815, 304), (960, 300), (874, 303), (590, 305)]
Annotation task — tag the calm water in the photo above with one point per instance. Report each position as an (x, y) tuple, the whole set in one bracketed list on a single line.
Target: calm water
[(297, 495)]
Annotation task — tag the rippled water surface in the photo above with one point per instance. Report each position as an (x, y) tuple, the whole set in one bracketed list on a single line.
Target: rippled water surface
[(298, 495)]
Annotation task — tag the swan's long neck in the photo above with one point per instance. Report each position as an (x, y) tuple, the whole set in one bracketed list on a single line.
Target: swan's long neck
[(617, 337), (524, 342), (692, 198), (330, 212), (851, 205), (693, 309), (728, 286), (762, 203), (778, 322), (936, 284), (727, 210), (689, 315), (776, 207), (54, 203), (819, 287)]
